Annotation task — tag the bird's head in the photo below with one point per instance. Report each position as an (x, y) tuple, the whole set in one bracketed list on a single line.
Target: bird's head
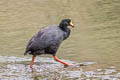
[(65, 23)]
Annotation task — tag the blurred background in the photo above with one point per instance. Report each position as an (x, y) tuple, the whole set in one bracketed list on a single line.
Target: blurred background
[(96, 36)]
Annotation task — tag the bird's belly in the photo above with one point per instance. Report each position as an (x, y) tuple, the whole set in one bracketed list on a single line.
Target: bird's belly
[(38, 52), (51, 50)]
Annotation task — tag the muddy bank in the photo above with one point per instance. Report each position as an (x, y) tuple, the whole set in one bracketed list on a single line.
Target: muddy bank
[(14, 68)]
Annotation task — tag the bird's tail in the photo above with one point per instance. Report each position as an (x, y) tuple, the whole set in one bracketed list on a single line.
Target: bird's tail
[(27, 52)]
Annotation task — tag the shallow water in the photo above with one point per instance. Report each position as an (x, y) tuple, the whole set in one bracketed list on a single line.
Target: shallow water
[(94, 39), (15, 68)]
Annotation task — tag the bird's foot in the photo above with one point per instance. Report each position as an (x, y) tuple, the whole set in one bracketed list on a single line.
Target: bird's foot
[(66, 65), (31, 68)]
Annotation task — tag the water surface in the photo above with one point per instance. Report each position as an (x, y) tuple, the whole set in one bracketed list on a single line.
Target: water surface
[(94, 39)]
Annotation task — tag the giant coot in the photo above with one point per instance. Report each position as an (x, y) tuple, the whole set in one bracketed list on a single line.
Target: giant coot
[(48, 40)]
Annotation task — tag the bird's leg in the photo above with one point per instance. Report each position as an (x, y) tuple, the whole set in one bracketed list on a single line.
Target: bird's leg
[(55, 58), (32, 62)]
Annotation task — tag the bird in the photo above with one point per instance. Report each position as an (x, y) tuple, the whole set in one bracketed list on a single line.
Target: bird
[(48, 40)]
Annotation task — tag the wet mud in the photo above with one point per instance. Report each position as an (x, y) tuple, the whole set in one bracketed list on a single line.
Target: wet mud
[(14, 68)]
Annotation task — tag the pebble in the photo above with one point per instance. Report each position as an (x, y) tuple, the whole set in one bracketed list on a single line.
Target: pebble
[(99, 70)]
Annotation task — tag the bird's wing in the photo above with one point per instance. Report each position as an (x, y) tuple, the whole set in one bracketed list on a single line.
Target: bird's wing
[(32, 44), (49, 36)]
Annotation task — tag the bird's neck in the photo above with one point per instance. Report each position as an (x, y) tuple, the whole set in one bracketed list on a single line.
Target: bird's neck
[(67, 33), (63, 28)]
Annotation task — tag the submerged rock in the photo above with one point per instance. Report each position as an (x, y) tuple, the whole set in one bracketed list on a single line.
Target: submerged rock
[(109, 71)]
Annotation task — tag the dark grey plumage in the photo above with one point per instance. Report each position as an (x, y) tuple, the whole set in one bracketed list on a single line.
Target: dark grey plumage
[(48, 40)]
